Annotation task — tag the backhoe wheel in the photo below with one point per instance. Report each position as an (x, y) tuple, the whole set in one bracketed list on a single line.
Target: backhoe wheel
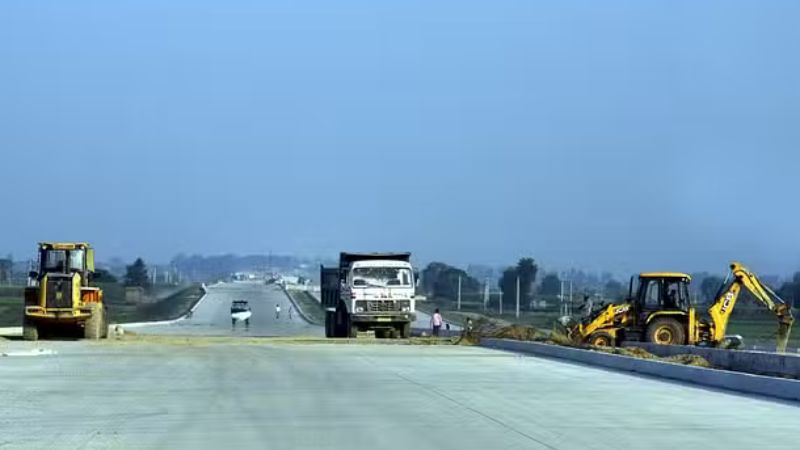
[(602, 339), (93, 327), (666, 331), (30, 331)]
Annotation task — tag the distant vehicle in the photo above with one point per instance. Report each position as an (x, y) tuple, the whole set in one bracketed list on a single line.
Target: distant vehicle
[(369, 291), (240, 312)]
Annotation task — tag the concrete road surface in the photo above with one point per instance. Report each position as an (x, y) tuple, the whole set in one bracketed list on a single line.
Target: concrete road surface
[(195, 393), (213, 316)]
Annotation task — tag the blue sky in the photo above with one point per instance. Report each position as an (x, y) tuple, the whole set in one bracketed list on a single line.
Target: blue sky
[(625, 135)]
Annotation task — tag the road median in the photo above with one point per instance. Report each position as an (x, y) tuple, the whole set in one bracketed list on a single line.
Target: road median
[(779, 388)]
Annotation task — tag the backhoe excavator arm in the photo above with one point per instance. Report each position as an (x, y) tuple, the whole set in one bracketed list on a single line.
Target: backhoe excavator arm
[(722, 308)]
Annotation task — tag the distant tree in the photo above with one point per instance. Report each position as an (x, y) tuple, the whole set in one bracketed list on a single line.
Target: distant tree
[(104, 276), (709, 287), (614, 289), (441, 280), (6, 266), (551, 285), (526, 270), (136, 274), (508, 283)]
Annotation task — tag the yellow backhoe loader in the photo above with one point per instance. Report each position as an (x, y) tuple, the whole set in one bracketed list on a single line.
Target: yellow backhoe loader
[(60, 297), (658, 310)]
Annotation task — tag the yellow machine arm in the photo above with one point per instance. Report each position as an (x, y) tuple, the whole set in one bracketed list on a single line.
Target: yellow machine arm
[(722, 308)]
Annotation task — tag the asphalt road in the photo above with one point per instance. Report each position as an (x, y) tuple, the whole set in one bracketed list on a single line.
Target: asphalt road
[(213, 315)]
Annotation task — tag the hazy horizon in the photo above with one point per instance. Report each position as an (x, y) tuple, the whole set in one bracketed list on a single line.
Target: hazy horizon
[(619, 135)]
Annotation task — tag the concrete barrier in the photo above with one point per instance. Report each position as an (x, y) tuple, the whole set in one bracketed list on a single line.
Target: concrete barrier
[(721, 379), (763, 363)]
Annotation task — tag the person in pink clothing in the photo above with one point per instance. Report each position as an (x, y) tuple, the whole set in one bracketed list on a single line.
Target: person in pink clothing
[(436, 322)]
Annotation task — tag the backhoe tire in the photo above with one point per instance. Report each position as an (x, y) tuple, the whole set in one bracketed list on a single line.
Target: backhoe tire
[(30, 331), (93, 327), (666, 331), (602, 339)]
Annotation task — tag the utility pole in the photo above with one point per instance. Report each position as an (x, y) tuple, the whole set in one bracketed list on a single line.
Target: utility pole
[(485, 295), (501, 303), (517, 297), (459, 292)]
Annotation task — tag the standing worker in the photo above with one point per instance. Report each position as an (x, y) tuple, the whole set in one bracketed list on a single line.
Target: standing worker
[(436, 322), (277, 311), (291, 310)]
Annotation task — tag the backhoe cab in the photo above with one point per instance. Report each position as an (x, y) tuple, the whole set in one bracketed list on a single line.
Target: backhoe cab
[(657, 310), (60, 295)]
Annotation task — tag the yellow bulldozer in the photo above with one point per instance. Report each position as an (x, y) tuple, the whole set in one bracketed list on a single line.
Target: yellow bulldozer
[(60, 297), (659, 310)]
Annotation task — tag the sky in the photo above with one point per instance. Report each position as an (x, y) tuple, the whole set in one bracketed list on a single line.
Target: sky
[(618, 135)]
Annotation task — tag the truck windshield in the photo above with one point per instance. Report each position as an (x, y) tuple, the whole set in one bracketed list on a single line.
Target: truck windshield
[(381, 276)]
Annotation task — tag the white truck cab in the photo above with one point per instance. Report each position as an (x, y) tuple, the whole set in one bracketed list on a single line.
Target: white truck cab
[(369, 291)]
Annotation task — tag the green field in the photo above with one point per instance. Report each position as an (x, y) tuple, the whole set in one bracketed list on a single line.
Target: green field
[(169, 307)]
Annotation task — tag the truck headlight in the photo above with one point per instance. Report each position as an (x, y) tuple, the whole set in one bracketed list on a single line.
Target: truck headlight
[(359, 309), (405, 309)]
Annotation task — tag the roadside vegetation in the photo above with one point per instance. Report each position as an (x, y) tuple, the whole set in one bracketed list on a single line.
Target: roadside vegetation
[(540, 302), (308, 305)]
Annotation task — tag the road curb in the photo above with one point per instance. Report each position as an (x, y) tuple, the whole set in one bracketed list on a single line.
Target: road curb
[(779, 388), (753, 362)]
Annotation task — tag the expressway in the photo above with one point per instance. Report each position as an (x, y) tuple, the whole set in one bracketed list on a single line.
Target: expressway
[(212, 316), (149, 392)]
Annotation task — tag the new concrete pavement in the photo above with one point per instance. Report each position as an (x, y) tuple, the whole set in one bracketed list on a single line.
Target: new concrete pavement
[(237, 393)]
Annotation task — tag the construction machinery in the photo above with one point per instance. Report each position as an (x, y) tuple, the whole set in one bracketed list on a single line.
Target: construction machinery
[(369, 292), (659, 310), (60, 296)]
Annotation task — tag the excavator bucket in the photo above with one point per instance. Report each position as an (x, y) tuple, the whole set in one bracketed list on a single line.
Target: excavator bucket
[(785, 321)]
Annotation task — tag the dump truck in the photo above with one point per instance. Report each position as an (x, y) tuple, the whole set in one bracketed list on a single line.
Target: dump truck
[(369, 292), (60, 297), (659, 310)]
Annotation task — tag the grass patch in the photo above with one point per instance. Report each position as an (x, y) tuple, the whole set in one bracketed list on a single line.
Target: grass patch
[(171, 307), (308, 305), (10, 311), (119, 310)]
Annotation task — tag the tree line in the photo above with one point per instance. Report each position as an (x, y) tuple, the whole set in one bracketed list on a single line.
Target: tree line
[(440, 280)]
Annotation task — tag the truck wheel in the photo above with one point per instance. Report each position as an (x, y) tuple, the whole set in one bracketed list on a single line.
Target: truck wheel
[(353, 331), (666, 331), (93, 327), (328, 325), (30, 331), (405, 331)]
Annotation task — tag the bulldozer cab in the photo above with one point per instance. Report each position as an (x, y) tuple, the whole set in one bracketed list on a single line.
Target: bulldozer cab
[(65, 259), (659, 292)]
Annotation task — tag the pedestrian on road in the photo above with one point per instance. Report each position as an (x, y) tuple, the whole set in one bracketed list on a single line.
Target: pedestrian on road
[(291, 310), (436, 322), (277, 311)]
